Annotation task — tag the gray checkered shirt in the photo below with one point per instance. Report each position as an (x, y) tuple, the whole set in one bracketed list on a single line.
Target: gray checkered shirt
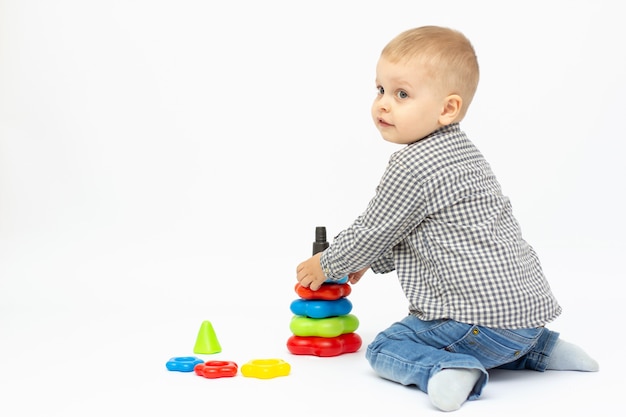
[(440, 220)]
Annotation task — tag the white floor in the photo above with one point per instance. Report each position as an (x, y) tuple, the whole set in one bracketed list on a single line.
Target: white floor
[(77, 348)]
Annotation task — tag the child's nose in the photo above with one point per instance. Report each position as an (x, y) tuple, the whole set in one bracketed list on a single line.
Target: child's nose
[(383, 104)]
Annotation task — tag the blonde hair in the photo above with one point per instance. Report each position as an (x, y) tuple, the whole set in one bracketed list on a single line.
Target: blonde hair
[(447, 55)]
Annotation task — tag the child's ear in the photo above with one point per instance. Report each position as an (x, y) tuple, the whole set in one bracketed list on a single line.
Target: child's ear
[(451, 109)]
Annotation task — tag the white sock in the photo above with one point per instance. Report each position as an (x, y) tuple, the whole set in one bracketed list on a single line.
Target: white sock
[(448, 389), (569, 357)]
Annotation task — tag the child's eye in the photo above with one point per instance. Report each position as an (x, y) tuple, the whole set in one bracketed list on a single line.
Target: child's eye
[(381, 90), (402, 94)]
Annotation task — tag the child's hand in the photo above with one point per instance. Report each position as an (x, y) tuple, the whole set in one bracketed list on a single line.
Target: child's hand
[(354, 277), (310, 273)]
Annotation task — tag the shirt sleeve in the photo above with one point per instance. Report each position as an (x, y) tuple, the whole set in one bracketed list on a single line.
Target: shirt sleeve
[(398, 207), (384, 264)]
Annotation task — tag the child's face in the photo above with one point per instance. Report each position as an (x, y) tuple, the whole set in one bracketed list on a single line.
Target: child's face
[(408, 104)]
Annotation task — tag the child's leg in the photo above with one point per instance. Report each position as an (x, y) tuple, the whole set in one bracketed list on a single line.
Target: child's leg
[(412, 352), (552, 352), (568, 357)]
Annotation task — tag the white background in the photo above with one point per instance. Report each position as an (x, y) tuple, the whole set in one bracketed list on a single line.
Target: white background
[(166, 162)]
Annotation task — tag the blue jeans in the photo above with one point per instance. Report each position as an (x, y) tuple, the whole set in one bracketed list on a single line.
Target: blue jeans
[(412, 350)]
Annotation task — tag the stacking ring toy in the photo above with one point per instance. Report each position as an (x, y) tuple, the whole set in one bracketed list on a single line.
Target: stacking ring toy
[(182, 363), (337, 281), (321, 308), (324, 346), (325, 292), (265, 368), (328, 327), (216, 369)]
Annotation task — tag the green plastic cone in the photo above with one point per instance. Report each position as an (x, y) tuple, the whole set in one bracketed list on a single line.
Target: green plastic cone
[(206, 342)]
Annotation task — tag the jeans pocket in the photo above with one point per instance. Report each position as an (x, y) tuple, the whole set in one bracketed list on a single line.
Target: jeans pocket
[(495, 347)]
